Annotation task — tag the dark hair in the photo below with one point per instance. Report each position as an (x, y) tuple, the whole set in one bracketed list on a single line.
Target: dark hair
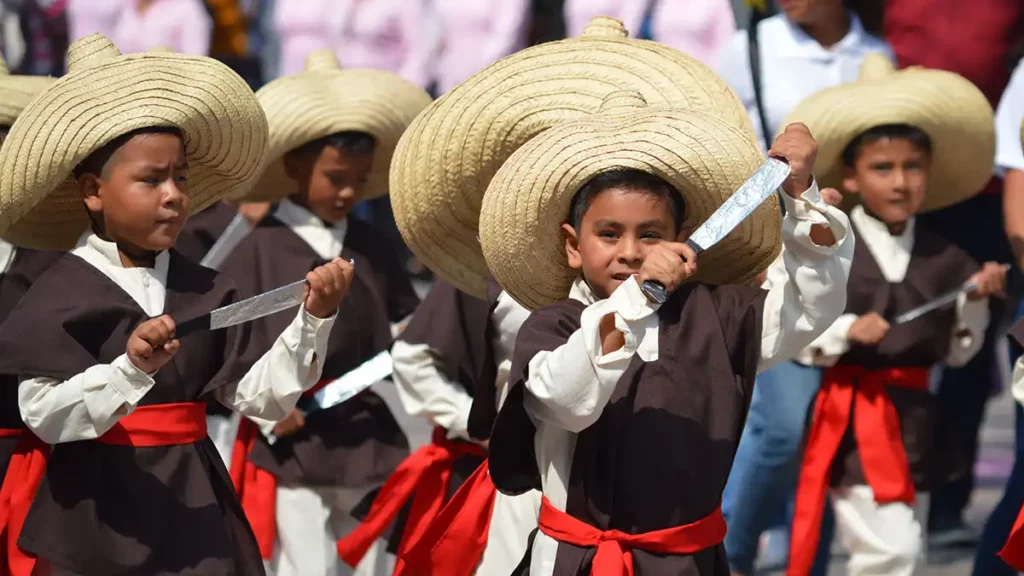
[(94, 163), (914, 135), (631, 180), (349, 142)]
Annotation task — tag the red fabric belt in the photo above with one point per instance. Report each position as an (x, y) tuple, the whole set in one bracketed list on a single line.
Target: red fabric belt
[(155, 425), (257, 488), (11, 432), (423, 476), (876, 427), (454, 542), (1013, 552), (613, 547)]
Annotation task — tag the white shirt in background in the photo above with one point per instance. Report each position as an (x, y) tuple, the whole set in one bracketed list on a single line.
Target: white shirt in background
[(1009, 114), (793, 66)]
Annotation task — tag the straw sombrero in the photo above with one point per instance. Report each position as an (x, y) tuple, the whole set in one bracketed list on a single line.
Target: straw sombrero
[(705, 157), (447, 157), (949, 108), (324, 99), (105, 95), (17, 91)]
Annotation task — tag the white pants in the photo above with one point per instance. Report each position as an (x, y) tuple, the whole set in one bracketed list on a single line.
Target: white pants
[(512, 520), (222, 430), (309, 523), (882, 539)]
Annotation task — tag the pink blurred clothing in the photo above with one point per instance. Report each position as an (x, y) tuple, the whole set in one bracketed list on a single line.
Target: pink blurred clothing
[(699, 28), (183, 26), (90, 16), (579, 12), (382, 34), (476, 34)]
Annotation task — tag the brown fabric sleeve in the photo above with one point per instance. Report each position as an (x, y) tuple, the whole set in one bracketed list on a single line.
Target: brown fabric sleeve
[(513, 461)]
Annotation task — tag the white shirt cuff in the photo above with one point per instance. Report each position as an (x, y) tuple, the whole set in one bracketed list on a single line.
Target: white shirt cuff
[(803, 213), (129, 382)]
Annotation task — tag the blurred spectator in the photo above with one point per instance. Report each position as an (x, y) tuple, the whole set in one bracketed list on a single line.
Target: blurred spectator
[(182, 26), (579, 12), (393, 35), (974, 39), (1009, 159), (812, 45), (302, 26), (234, 22), (44, 29), (476, 34), (91, 16), (699, 28)]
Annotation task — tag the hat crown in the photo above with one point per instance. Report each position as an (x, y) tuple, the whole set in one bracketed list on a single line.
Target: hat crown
[(875, 67), (322, 60), (622, 101), (91, 51), (604, 27)]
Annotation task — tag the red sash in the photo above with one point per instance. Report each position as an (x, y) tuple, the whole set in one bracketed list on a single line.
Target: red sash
[(876, 427), (257, 488), (1013, 552), (614, 557), (11, 432), (423, 476), (155, 425), (454, 542)]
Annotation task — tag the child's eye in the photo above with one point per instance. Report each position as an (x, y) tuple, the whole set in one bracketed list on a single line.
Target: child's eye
[(606, 234), (151, 180), (651, 236), (181, 178)]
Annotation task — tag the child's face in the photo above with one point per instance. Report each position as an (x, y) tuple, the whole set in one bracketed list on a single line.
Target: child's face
[(331, 183), (615, 235), (141, 194), (809, 12), (891, 176)]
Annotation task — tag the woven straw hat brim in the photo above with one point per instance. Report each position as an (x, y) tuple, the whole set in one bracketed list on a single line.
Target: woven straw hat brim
[(448, 156), (106, 95), (954, 114), (16, 92), (314, 104), (705, 158)]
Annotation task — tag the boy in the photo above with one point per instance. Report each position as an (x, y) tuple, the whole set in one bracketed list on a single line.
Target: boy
[(624, 414), (332, 136), (133, 485), (891, 136)]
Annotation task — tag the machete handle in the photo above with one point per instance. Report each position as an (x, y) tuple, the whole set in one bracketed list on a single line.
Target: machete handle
[(654, 290)]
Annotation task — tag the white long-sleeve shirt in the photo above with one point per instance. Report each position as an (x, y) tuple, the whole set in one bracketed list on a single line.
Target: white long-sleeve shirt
[(87, 405), (569, 387), (425, 391), (892, 253)]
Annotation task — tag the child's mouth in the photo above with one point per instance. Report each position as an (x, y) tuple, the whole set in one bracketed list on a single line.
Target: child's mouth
[(622, 277)]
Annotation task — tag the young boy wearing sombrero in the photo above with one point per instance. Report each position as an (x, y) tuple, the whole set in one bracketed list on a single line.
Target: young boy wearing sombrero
[(439, 175), (901, 143), (332, 135), (626, 415), (133, 484)]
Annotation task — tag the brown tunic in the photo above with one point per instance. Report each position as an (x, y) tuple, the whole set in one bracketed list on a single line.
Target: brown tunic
[(659, 455), (202, 230), (106, 509), (358, 443), (27, 266), (936, 267)]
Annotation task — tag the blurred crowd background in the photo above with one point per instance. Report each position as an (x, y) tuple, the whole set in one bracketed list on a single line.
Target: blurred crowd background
[(773, 54)]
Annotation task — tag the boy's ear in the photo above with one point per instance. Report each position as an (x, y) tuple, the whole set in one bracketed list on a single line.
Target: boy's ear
[(572, 247), (292, 166), (850, 185), (89, 186)]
